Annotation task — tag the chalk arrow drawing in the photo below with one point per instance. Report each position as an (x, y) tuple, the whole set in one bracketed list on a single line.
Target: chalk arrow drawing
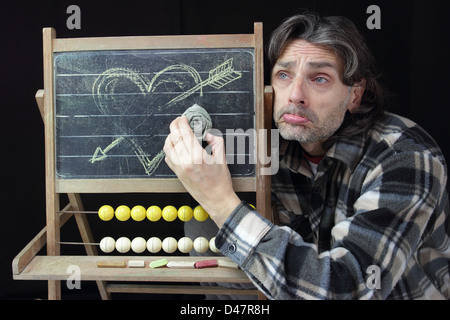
[(101, 154), (218, 77)]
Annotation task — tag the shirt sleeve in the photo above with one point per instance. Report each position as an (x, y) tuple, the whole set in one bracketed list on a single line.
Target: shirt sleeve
[(371, 248), (272, 255)]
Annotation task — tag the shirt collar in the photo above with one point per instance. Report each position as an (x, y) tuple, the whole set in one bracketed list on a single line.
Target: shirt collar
[(348, 150)]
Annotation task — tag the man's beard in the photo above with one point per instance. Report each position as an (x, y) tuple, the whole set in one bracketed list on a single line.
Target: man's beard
[(316, 130)]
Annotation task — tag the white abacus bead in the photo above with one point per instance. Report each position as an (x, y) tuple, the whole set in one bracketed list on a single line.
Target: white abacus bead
[(169, 245), (154, 245), (201, 244), (138, 245), (107, 244), (212, 245), (185, 245), (123, 245)]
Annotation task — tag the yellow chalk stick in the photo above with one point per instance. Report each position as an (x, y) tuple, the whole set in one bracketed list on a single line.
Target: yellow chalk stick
[(111, 264)]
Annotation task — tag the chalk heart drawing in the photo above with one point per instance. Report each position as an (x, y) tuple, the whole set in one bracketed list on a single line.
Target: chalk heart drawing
[(112, 96)]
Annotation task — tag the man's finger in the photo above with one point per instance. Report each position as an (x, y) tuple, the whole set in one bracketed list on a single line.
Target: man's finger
[(187, 133), (217, 146), (175, 134)]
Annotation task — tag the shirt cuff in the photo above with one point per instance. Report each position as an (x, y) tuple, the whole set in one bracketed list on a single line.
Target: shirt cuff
[(241, 233)]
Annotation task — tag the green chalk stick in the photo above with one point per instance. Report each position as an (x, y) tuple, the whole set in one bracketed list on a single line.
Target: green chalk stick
[(158, 263)]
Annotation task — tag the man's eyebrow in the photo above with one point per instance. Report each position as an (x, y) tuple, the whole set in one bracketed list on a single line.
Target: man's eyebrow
[(312, 64), (322, 64), (286, 64)]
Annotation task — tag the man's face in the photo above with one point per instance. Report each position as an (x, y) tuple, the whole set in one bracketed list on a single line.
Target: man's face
[(310, 98)]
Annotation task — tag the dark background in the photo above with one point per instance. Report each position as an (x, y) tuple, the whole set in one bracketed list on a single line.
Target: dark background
[(412, 50)]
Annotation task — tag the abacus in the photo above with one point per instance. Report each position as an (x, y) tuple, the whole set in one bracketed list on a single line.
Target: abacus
[(116, 266), (153, 244)]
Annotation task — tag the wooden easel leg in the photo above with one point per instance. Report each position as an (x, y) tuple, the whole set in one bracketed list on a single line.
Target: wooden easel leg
[(54, 287), (54, 290), (86, 236), (53, 248)]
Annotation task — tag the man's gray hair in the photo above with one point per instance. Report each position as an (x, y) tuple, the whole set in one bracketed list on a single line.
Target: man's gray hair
[(340, 36)]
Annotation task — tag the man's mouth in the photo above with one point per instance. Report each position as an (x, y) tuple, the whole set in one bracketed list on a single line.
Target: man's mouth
[(294, 119)]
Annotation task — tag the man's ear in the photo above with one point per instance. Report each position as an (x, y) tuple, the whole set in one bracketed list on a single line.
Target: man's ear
[(357, 92)]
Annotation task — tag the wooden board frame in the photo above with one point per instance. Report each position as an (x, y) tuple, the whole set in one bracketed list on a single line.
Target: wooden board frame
[(55, 217), (53, 44)]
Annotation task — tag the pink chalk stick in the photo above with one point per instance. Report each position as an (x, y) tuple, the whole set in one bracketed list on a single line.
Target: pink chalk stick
[(206, 264)]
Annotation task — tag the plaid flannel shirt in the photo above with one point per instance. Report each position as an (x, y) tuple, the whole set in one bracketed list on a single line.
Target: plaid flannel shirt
[(373, 223)]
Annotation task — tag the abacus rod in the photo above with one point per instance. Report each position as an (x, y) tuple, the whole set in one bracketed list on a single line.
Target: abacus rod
[(68, 211), (79, 243)]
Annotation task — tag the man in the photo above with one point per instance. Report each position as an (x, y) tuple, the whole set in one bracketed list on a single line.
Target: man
[(360, 194)]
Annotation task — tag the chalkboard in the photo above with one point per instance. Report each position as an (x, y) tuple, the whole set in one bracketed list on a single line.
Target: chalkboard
[(113, 108)]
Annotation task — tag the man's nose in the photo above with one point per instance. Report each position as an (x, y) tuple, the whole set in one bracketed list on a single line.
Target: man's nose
[(297, 96)]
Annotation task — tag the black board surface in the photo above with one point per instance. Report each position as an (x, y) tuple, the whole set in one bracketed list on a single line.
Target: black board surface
[(113, 108)]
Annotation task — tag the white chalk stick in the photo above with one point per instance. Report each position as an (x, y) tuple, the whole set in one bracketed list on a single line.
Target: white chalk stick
[(227, 264), (181, 264), (136, 264)]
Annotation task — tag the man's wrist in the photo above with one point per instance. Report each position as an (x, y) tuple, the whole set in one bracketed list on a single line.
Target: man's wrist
[(221, 214)]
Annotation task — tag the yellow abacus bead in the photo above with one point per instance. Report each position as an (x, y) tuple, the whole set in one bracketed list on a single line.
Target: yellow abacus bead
[(200, 214), (169, 213), (185, 213), (138, 213), (106, 213), (123, 213), (154, 213)]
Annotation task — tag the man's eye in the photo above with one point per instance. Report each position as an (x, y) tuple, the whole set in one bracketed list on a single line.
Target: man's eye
[(283, 76), (320, 80)]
